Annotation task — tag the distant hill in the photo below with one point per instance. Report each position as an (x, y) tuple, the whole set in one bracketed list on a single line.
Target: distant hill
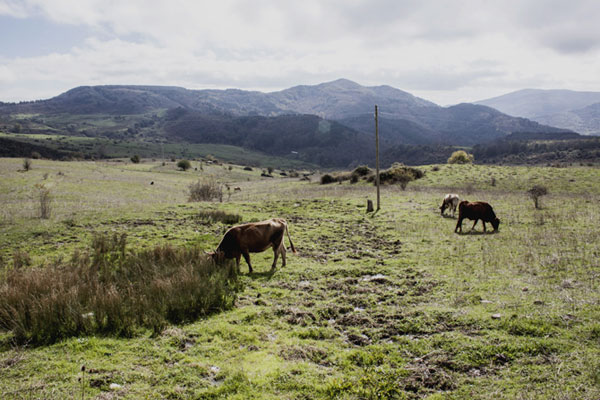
[(275, 123), (567, 109)]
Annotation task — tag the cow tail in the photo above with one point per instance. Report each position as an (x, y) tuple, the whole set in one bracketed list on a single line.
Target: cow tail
[(290, 239)]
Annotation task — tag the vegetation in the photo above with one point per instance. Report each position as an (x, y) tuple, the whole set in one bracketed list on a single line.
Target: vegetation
[(536, 192), (26, 164), (111, 291), (184, 165), (461, 157), (385, 305), (135, 159), (206, 190)]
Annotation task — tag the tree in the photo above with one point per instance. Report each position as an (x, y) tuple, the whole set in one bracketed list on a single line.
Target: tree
[(461, 157), (184, 165), (536, 192)]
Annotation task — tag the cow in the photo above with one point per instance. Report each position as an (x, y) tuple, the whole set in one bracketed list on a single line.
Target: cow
[(477, 210), (450, 201), (254, 237)]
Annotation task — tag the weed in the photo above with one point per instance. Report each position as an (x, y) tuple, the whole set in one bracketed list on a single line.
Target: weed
[(26, 164)]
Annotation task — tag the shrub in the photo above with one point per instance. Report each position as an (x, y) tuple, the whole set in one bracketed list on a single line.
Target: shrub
[(36, 155), (400, 174), (206, 190), (145, 289), (26, 164), (327, 178), (246, 168), (536, 192), (362, 170), (461, 157), (135, 159), (45, 198), (184, 165)]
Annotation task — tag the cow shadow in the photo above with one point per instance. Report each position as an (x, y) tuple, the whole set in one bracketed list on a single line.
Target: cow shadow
[(448, 216), (476, 233), (264, 275)]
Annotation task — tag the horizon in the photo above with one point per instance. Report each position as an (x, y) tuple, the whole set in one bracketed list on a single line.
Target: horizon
[(447, 54)]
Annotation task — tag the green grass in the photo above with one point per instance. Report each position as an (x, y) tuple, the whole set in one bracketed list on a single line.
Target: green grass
[(391, 305), (99, 147)]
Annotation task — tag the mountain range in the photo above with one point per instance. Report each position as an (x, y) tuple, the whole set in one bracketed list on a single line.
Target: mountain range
[(567, 109), (330, 123)]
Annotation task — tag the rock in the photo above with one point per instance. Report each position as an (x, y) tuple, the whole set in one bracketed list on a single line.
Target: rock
[(496, 316)]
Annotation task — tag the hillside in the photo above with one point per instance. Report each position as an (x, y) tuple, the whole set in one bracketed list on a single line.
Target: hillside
[(276, 123), (566, 109)]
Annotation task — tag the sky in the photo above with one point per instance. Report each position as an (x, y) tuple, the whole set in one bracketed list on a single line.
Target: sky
[(446, 51)]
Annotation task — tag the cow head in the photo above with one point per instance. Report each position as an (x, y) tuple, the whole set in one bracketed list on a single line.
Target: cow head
[(217, 256), (496, 223), (443, 207)]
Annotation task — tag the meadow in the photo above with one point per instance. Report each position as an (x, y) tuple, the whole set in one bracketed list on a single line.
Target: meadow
[(391, 304)]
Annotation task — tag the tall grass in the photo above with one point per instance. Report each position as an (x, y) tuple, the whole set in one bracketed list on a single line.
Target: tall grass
[(111, 291)]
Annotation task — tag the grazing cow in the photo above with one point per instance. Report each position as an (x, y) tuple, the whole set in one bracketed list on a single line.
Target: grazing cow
[(450, 201), (254, 237), (237, 189), (477, 210)]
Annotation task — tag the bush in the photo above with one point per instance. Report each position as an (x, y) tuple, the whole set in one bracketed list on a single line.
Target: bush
[(36, 155), (327, 178), (114, 292), (135, 159), (461, 157), (206, 190), (246, 168), (536, 192), (26, 164), (184, 165), (362, 170), (400, 174), (45, 199)]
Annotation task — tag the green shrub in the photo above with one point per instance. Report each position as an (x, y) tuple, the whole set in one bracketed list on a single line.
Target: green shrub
[(135, 159), (184, 165), (26, 164), (327, 178), (461, 157), (400, 174), (112, 291)]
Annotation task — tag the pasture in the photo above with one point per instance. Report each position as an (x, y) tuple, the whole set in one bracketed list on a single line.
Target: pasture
[(386, 305)]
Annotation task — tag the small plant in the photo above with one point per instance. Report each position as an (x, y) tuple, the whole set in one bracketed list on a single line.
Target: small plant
[(206, 190), (26, 164), (461, 157), (184, 165), (36, 155), (536, 192), (135, 159), (45, 198)]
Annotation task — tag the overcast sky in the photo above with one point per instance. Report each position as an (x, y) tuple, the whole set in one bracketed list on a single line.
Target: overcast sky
[(444, 51)]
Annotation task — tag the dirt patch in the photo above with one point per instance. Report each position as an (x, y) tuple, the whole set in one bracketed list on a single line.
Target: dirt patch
[(305, 353)]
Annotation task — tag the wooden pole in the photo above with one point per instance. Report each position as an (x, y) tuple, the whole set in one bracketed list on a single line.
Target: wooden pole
[(377, 156)]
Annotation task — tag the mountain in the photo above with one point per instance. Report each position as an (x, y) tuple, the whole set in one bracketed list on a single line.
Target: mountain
[(567, 109), (277, 122)]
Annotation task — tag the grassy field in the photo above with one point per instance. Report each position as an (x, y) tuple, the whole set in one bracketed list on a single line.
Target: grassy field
[(391, 305), (99, 147)]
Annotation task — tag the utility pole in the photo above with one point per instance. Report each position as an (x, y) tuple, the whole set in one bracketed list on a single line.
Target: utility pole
[(377, 156)]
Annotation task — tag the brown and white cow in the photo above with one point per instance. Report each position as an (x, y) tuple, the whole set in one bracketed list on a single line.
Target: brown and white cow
[(477, 210), (254, 237), (450, 201)]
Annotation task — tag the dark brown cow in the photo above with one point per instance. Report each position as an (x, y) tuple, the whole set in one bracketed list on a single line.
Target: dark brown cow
[(255, 237), (477, 210)]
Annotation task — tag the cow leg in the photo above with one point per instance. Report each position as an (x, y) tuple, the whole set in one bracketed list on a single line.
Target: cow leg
[(247, 258), (483, 222), (275, 256), (237, 262), (458, 225), (282, 251), (474, 223)]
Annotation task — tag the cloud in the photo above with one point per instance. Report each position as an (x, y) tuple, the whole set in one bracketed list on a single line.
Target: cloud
[(448, 50)]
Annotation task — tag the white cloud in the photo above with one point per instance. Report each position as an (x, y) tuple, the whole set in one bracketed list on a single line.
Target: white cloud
[(445, 51)]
